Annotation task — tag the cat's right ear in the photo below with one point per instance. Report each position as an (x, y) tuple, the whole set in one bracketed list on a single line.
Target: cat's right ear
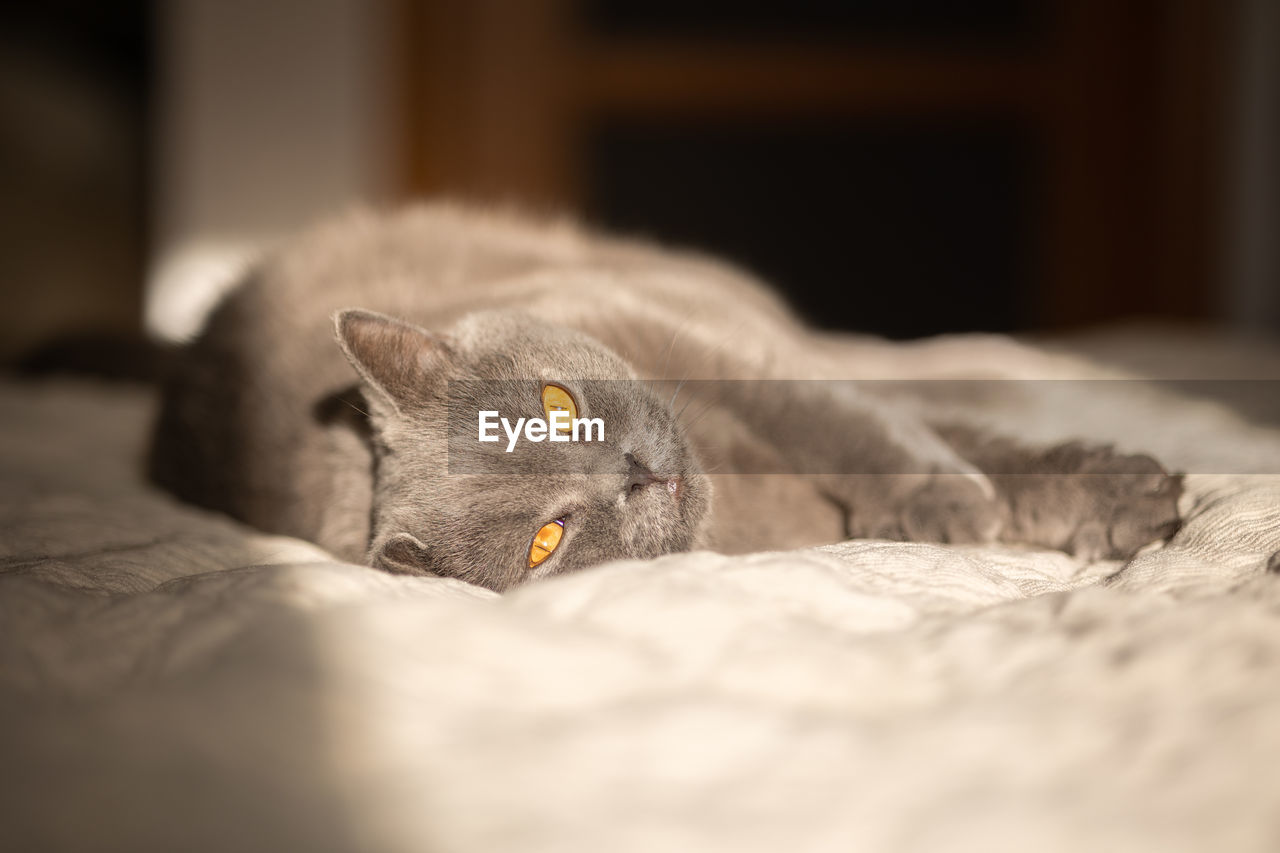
[(397, 359)]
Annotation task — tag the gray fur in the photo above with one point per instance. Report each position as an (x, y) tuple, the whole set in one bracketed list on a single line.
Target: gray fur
[(314, 403)]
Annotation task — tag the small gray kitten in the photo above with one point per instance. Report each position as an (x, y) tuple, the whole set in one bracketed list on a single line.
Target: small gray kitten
[(441, 312)]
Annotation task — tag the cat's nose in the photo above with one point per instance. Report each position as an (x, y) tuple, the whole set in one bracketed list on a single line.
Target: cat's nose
[(638, 476)]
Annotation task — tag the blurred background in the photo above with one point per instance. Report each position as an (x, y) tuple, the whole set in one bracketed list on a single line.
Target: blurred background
[(901, 167)]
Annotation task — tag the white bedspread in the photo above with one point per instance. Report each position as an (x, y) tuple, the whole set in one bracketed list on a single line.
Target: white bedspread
[(170, 680)]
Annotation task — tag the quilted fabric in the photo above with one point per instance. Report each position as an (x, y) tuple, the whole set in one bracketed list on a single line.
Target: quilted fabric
[(171, 680)]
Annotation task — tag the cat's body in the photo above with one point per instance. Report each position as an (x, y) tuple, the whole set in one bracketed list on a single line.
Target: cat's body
[(260, 419)]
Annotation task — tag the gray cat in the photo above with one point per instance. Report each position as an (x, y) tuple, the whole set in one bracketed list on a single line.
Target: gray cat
[(370, 445)]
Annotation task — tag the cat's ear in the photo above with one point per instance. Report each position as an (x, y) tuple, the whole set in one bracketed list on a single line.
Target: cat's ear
[(404, 554), (397, 359)]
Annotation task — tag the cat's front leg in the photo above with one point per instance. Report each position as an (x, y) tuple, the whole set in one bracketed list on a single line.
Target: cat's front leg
[(891, 475), (1088, 500), (946, 506)]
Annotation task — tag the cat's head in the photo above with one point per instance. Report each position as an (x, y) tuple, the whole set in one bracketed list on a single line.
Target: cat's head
[(497, 513)]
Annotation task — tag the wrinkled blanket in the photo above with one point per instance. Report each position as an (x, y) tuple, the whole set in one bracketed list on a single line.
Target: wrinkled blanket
[(171, 680)]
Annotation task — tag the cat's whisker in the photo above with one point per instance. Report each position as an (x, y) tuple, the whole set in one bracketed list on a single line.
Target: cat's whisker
[(732, 335), (718, 399), (698, 418), (666, 362), (703, 362), (701, 413), (676, 393), (692, 397)]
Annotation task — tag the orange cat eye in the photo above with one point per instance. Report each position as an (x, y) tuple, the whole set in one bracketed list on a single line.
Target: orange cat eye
[(545, 541), (557, 399)]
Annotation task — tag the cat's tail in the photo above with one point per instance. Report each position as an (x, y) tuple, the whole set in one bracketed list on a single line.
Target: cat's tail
[(113, 357)]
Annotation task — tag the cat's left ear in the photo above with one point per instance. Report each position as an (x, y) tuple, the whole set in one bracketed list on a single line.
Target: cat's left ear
[(403, 554), (397, 359)]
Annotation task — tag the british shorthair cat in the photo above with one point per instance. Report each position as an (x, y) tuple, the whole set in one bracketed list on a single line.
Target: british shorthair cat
[(359, 387)]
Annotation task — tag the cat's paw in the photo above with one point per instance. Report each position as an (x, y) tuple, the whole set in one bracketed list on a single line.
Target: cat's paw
[(951, 508), (1092, 502)]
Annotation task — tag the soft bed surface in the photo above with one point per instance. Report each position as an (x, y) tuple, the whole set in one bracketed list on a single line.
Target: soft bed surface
[(170, 680)]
